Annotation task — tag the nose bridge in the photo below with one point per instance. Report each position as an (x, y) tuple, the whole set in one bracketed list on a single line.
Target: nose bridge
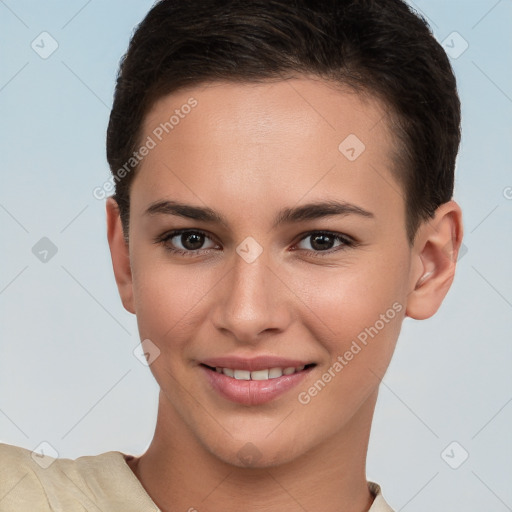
[(251, 301)]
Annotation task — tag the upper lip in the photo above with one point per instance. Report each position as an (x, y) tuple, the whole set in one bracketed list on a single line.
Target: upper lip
[(253, 364)]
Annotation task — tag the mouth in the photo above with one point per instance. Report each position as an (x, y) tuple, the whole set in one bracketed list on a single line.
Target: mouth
[(253, 383), (263, 374)]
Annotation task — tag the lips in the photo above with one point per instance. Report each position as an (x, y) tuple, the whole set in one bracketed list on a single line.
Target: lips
[(254, 381)]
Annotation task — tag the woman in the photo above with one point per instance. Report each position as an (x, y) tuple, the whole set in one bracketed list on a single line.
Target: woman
[(283, 179)]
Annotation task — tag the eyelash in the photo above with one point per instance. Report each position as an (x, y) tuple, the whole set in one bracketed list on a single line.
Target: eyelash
[(164, 239)]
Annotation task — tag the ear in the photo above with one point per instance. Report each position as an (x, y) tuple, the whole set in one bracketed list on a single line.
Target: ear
[(435, 252), (120, 255)]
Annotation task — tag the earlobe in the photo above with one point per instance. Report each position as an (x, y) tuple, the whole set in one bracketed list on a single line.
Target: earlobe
[(120, 255), (435, 257)]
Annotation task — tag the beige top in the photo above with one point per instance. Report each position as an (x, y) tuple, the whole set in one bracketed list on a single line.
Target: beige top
[(32, 483)]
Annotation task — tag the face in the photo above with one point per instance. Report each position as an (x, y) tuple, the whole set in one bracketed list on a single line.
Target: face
[(269, 263)]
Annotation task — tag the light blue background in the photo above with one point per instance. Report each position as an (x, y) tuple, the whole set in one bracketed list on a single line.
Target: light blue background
[(67, 372)]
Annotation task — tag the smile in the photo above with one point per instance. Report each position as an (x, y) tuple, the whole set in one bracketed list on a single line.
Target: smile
[(252, 387)]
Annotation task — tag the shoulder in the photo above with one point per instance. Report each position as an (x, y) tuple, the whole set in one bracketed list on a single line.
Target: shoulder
[(31, 481), (20, 486), (379, 503)]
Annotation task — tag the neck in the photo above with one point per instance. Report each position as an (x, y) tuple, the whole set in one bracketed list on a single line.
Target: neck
[(181, 475)]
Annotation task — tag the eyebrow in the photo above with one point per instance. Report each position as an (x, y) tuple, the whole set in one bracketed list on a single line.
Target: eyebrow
[(310, 211)]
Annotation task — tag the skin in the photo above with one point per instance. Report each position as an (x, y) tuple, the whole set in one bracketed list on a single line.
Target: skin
[(247, 151)]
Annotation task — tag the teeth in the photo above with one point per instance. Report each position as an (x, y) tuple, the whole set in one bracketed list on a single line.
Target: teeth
[(242, 375), (271, 373), (229, 372), (259, 375)]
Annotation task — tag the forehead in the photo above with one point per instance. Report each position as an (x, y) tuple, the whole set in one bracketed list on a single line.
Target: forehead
[(277, 141), (298, 106)]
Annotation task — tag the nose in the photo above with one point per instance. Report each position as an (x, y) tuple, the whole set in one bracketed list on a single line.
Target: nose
[(252, 302)]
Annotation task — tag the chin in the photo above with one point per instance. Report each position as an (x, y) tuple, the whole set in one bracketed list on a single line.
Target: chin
[(258, 453)]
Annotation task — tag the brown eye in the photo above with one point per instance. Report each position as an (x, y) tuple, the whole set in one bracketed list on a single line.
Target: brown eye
[(186, 242), (191, 240), (320, 241)]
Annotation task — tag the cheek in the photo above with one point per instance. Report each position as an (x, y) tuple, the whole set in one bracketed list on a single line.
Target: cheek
[(358, 327), (163, 296), (362, 302)]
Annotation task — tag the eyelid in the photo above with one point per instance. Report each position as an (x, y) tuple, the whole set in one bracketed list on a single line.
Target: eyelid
[(337, 234), (346, 240), (175, 232)]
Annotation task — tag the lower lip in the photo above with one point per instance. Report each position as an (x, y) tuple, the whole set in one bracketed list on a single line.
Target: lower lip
[(252, 392)]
